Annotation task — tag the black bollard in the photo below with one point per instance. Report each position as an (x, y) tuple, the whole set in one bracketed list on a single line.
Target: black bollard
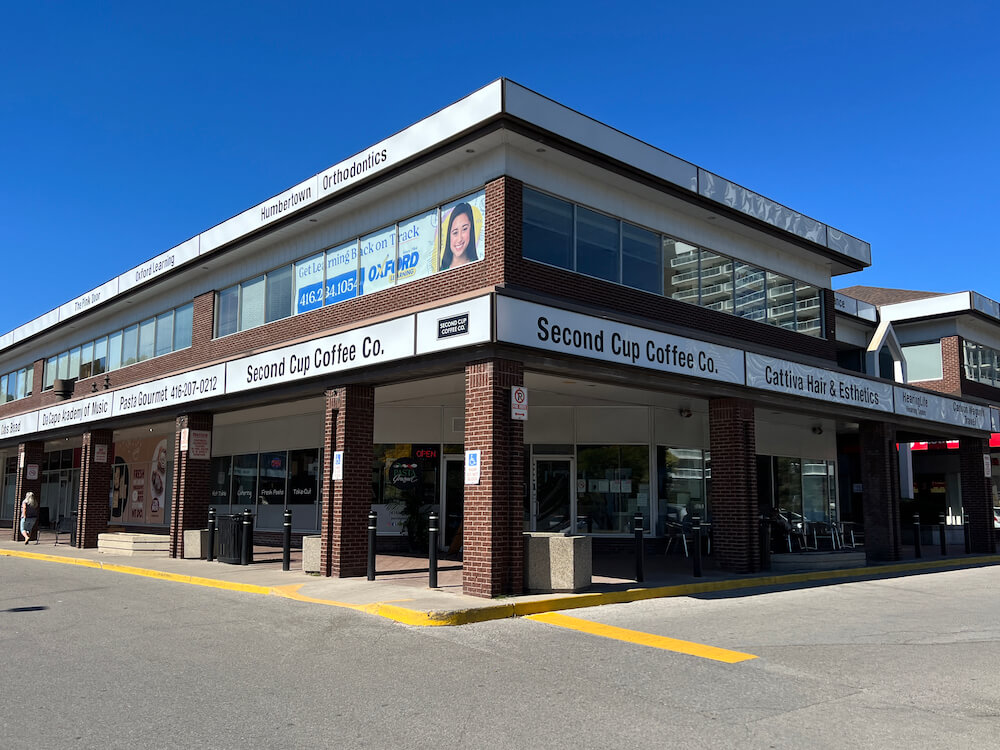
[(944, 542), (246, 548), (639, 548), (286, 556), (210, 555), (917, 552), (432, 532), (696, 533), (968, 535), (372, 528)]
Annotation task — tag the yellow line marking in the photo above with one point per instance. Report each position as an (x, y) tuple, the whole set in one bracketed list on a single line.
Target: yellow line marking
[(406, 616), (643, 639)]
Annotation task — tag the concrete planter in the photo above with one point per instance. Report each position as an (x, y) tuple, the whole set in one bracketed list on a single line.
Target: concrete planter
[(310, 554), (556, 562)]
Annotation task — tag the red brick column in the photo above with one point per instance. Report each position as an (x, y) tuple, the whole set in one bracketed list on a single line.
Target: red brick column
[(189, 492), (735, 515), (94, 510), (493, 521), (880, 493), (977, 498), (28, 454), (350, 423)]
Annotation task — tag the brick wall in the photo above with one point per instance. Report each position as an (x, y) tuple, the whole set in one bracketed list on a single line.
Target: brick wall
[(735, 516), (29, 453), (977, 498), (350, 423), (880, 481), (190, 494), (93, 512), (493, 524), (953, 378)]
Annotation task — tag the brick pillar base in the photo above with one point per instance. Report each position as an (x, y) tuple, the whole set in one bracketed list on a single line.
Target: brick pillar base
[(28, 454), (94, 511), (977, 498), (190, 493), (880, 494), (350, 423), (735, 515), (493, 520)]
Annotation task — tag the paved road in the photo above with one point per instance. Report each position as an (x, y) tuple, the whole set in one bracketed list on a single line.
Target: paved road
[(102, 660)]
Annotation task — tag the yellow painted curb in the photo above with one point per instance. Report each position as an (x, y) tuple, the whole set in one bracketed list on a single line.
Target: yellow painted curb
[(500, 611)]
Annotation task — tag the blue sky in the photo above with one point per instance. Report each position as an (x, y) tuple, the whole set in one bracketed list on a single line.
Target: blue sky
[(126, 128)]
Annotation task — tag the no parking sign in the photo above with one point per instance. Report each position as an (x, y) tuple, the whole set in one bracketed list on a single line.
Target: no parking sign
[(519, 403)]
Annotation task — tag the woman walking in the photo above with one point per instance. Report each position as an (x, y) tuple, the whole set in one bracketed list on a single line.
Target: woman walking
[(29, 516)]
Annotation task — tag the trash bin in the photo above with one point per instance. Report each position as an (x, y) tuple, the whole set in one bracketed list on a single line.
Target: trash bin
[(230, 533)]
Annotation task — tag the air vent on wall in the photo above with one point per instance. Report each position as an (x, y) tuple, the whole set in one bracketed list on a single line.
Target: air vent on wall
[(63, 387)]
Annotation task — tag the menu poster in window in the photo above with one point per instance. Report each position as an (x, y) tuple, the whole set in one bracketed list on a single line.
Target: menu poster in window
[(342, 273), (139, 481), (462, 239), (416, 247), (378, 261)]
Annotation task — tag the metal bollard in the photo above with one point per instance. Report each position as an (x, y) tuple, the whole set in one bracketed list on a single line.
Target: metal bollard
[(246, 553), (372, 528), (944, 542), (968, 534), (637, 524), (286, 552), (917, 552), (432, 532), (696, 557), (211, 535)]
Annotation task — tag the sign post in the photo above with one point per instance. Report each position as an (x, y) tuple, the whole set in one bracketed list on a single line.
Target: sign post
[(519, 403)]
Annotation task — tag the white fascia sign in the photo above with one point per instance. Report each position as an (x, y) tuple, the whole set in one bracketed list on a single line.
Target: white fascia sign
[(171, 391), (370, 345), (940, 409), (782, 376), (555, 330), (161, 264), (75, 412), (22, 424), (453, 326)]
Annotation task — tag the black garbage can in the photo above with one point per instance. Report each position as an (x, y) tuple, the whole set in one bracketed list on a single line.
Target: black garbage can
[(230, 538)]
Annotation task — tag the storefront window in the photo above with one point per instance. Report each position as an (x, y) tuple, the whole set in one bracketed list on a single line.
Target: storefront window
[(808, 309), (641, 259), (788, 477), (548, 229), (780, 301), (682, 491), (227, 311), (279, 294), (405, 489), (716, 276), (252, 303), (164, 333), (612, 484), (680, 271), (222, 479), (245, 479), (750, 292), (597, 244)]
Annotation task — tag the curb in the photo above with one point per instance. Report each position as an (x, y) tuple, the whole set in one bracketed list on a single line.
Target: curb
[(444, 618)]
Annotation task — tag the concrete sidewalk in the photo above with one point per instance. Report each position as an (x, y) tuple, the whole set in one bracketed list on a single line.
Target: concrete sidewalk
[(400, 590)]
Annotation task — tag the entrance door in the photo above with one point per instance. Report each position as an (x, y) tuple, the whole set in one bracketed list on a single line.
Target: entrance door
[(553, 500), (452, 503)]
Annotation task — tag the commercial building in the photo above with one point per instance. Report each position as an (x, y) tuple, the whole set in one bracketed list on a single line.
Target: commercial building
[(361, 340)]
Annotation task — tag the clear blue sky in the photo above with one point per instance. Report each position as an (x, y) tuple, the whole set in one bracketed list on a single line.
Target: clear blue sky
[(126, 128)]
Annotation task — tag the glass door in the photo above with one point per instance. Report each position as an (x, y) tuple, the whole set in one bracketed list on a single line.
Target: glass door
[(553, 498), (452, 504)]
